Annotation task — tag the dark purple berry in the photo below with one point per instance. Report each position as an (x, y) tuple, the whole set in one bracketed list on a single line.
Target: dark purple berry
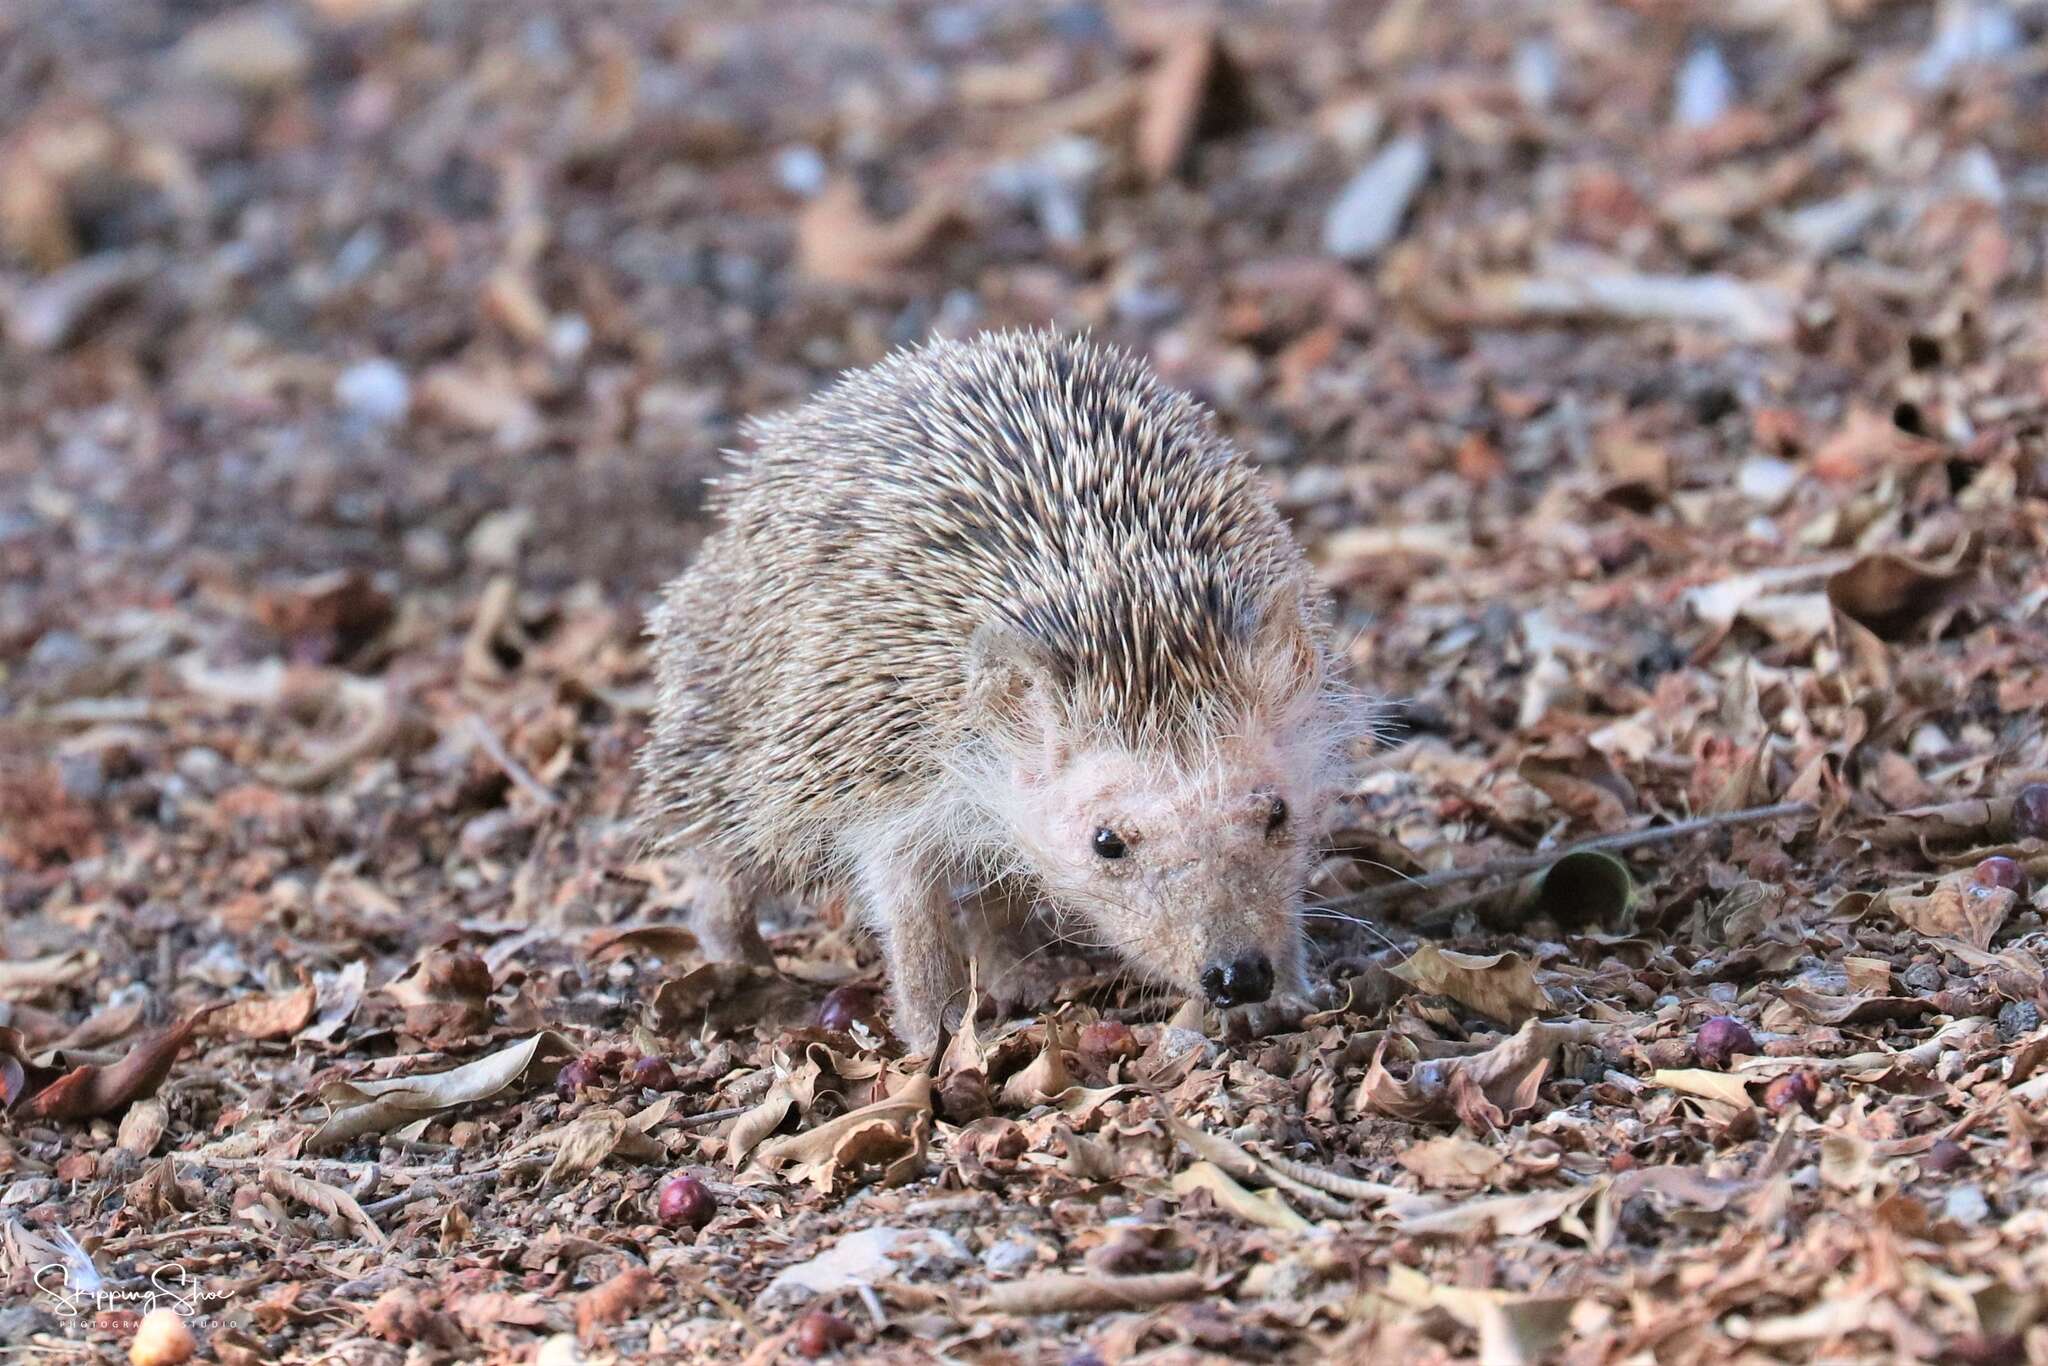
[(843, 1005), (575, 1077), (686, 1201), (1946, 1156), (652, 1073), (1720, 1039), (2000, 871), (2030, 812)]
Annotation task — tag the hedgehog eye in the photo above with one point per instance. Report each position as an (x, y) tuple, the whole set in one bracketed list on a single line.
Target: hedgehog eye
[(1108, 844), (1277, 816)]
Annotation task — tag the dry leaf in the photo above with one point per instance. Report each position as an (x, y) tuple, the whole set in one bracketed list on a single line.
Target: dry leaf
[(1500, 986), (1061, 1293), (1502, 1216), (1889, 593), (1723, 1088), (327, 1199), (1043, 1080), (1514, 1330), (1264, 1208), (586, 1142), (142, 1127), (1959, 907), (618, 1299), (1506, 1076), (90, 1091), (264, 1017), (1193, 89), (670, 943), (888, 1133), (375, 1107), (1453, 1161), (27, 977), (839, 242)]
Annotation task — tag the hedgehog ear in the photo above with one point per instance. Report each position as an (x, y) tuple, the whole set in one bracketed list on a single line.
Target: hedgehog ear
[(1282, 642), (1009, 683)]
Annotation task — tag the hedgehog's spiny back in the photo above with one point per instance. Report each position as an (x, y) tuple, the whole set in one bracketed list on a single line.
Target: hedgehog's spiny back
[(1055, 485)]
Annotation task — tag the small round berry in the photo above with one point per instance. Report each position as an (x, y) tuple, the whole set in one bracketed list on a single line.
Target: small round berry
[(1794, 1090), (844, 1005), (686, 1201), (1946, 1156), (1720, 1039), (2000, 871), (575, 1077), (820, 1333), (654, 1074), (162, 1339), (2030, 812), (1108, 1041)]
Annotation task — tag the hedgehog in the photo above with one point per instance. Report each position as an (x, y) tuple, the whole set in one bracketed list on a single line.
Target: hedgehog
[(994, 635)]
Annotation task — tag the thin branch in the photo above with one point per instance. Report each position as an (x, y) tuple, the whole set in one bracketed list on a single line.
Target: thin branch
[(516, 771), (1529, 863), (711, 1117)]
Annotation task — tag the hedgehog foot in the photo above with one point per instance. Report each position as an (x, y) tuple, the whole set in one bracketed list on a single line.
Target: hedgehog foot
[(913, 911), (722, 898), (1005, 942)]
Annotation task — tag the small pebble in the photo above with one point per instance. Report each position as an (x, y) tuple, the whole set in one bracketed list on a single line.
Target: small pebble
[(2016, 1018), (1009, 1257), (1704, 89), (1367, 214), (1535, 72), (374, 392), (1967, 1206), (801, 170), (1925, 978)]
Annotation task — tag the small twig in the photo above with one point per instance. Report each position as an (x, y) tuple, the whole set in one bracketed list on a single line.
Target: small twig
[(436, 1184), (1065, 1293), (1529, 863), (710, 1117), (521, 776), (1333, 1183), (314, 1164)]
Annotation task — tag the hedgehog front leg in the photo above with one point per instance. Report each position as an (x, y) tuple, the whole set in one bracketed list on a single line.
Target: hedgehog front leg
[(912, 909), (722, 898)]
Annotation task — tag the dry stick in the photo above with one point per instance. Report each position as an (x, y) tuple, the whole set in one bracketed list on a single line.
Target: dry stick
[(1529, 863), (1063, 1293), (710, 1117), (516, 771)]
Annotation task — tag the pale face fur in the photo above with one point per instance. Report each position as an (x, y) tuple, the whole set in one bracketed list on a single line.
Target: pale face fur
[(1210, 854)]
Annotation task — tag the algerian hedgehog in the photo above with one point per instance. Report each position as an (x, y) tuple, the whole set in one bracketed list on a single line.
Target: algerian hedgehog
[(1001, 633)]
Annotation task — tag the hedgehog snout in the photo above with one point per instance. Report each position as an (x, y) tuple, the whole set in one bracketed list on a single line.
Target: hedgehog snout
[(1244, 980)]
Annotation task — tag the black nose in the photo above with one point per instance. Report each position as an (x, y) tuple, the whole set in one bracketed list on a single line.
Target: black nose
[(1247, 979)]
